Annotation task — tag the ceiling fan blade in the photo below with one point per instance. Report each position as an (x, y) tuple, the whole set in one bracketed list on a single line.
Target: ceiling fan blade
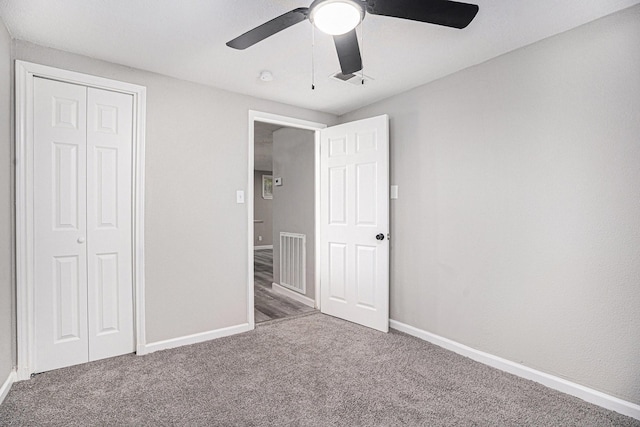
[(270, 28), (441, 12), (348, 52)]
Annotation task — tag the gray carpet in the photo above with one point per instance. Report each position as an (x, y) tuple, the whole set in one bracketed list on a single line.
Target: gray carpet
[(312, 370)]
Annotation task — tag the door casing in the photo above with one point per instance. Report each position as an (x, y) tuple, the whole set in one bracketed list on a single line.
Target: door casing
[(258, 116), (24, 76)]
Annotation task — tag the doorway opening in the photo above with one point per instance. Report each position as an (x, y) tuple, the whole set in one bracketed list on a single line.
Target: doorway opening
[(283, 197), (283, 222)]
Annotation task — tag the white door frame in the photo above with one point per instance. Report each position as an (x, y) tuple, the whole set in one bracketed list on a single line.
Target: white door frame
[(24, 75), (258, 116)]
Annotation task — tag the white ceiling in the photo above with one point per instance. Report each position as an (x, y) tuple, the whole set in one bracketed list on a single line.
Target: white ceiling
[(186, 39)]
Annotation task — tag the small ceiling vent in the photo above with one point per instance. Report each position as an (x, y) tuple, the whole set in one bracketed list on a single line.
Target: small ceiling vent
[(354, 79)]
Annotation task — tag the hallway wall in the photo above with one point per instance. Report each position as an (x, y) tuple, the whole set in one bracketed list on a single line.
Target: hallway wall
[(294, 201), (262, 211)]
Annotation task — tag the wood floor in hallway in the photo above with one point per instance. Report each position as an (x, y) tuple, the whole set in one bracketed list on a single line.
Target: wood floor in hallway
[(269, 305)]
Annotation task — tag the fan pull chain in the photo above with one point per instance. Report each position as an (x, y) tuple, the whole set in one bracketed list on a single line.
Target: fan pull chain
[(313, 65), (362, 51)]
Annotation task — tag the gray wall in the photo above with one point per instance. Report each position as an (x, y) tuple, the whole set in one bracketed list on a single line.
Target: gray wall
[(196, 159), (262, 211), (294, 201), (516, 228), (6, 233)]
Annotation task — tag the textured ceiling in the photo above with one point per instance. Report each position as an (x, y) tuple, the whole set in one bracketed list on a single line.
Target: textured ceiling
[(186, 39)]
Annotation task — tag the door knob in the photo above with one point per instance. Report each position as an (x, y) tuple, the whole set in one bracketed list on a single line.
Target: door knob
[(380, 236), (80, 239)]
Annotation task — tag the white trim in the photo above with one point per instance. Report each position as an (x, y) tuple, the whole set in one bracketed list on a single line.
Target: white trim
[(279, 289), (260, 248), (258, 116), (6, 386), (24, 75), (318, 248), (195, 338), (585, 393)]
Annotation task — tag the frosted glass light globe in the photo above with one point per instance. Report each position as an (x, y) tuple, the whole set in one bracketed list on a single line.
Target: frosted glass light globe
[(336, 17)]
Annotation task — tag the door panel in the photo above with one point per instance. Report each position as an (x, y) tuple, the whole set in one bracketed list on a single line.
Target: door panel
[(337, 270), (366, 180), (60, 279), (106, 187), (354, 173), (65, 186), (366, 279), (109, 158), (337, 195), (108, 314), (66, 300)]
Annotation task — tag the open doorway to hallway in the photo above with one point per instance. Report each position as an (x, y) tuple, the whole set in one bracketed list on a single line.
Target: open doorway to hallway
[(284, 221)]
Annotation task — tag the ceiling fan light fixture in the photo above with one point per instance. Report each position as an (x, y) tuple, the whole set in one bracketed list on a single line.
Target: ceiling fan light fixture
[(336, 17)]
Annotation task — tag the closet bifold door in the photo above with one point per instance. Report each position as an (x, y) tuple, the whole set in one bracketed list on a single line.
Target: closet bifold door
[(109, 213), (60, 257), (83, 284)]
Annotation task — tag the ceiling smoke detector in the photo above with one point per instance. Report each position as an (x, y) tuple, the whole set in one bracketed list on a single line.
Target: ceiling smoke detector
[(266, 76)]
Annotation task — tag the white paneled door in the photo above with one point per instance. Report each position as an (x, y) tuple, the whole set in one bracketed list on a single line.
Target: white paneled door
[(109, 258), (60, 127), (83, 295), (354, 174)]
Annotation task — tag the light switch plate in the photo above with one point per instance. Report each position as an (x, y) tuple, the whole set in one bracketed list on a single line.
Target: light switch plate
[(239, 196), (394, 191)]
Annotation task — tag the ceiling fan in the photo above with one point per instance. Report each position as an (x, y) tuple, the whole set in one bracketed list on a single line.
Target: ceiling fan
[(340, 18)]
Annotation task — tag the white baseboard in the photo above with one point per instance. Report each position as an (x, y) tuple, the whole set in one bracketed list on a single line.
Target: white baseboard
[(279, 289), (193, 339), (258, 248), (585, 393), (6, 386)]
